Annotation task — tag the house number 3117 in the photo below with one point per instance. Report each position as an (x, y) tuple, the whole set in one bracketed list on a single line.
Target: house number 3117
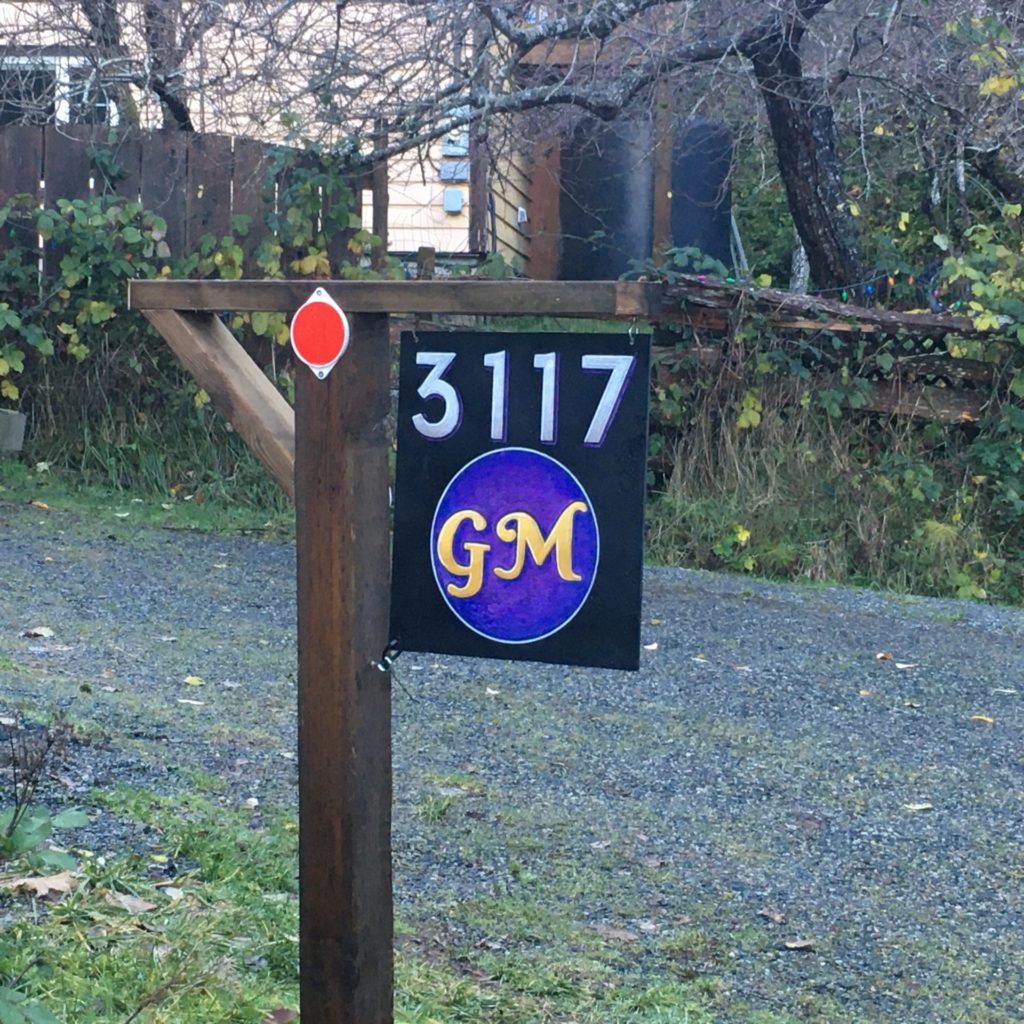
[(618, 367)]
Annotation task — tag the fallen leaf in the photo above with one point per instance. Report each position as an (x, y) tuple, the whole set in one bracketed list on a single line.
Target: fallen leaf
[(906, 664), (984, 719), (491, 692), (38, 631), (608, 932), (742, 668), (799, 945), (195, 681), (41, 504), (1005, 692), (220, 565), (867, 693), (917, 808), (656, 622), (883, 656), (45, 887), (172, 892), (601, 844), (772, 915), (122, 515), (281, 1016), (650, 647), (132, 904), (194, 703), (251, 802), (649, 927), (911, 704)]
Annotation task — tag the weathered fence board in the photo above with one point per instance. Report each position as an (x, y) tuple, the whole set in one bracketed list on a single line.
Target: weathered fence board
[(208, 188), (196, 182), (66, 173), (21, 169), (164, 167), (127, 156), (252, 196)]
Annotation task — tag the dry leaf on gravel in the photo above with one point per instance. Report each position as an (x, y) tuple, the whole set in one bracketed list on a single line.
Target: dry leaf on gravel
[(772, 915), (799, 945), (883, 656), (132, 904), (41, 504), (45, 887), (193, 703), (39, 631), (906, 664), (608, 932), (984, 719), (918, 808), (195, 681)]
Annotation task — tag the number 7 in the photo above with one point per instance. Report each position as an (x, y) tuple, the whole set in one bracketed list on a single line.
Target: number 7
[(620, 369)]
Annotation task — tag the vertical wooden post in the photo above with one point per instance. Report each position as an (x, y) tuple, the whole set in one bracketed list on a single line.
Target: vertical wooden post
[(341, 496)]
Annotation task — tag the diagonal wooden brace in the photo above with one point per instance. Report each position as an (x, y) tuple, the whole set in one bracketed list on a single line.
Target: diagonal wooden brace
[(237, 387)]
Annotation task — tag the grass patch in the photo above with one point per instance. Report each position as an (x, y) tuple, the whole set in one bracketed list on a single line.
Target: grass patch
[(208, 509), (202, 927)]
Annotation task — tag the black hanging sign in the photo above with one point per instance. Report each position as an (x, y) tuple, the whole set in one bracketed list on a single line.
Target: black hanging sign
[(519, 496)]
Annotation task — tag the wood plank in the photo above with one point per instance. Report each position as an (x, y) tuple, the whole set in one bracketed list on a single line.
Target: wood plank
[(66, 171), (545, 208), (126, 154), (21, 157), (237, 388), (252, 196), (164, 170), (342, 545), (688, 298), (379, 205), (67, 167), (21, 169), (611, 299), (922, 401), (207, 188)]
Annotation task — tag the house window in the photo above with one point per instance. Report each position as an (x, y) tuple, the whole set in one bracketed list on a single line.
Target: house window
[(44, 90)]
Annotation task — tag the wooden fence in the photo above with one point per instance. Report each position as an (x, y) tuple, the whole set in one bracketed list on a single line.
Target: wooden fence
[(196, 182)]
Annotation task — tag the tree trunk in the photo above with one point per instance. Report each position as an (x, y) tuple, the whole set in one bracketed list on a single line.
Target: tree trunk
[(804, 132)]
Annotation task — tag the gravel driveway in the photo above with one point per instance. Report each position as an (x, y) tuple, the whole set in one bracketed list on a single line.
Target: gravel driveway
[(814, 797)]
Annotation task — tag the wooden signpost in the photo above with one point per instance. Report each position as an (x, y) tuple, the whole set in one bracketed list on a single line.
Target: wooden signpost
[(331, 455)]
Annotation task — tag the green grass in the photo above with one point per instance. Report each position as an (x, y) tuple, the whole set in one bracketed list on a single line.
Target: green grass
[(209, 509), (215, 939)]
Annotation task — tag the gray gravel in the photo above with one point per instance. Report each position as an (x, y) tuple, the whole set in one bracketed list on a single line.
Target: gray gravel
[(765, 779)]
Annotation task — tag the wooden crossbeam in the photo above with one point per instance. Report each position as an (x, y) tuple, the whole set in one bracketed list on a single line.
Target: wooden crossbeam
[(598, 299), (692, 300)]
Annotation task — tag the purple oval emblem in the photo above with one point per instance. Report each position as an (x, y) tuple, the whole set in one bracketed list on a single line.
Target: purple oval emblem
[(514, 545)]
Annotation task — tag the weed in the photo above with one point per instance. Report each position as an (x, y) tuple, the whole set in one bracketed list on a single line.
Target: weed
[(433, 807), (25, 828)]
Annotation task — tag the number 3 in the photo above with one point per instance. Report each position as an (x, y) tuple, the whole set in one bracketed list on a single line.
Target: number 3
[(436, 387)]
